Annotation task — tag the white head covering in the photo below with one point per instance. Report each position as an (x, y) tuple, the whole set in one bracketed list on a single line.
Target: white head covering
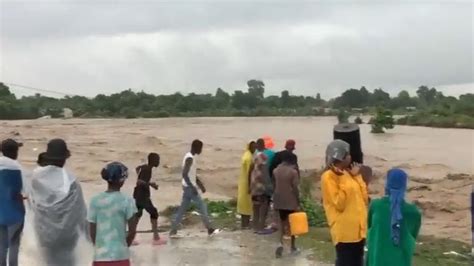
[(50, 185)]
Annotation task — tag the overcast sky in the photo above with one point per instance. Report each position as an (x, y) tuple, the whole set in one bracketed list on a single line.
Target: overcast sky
[(102, 46)]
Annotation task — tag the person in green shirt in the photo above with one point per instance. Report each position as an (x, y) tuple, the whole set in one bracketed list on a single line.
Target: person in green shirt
[(393, 224)]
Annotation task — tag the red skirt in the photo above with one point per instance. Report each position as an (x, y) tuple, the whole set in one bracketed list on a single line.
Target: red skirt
[(112, 263)]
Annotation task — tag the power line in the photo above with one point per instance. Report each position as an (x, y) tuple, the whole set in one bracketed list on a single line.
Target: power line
[(38, 89)]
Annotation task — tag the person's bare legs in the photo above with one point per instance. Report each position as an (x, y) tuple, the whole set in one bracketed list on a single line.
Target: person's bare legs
[(256, 215), (294, 249), (263, 212), (154, 229), (279, 250), (245, 221)]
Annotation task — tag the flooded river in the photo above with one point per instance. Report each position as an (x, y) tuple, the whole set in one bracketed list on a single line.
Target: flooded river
[(426, 153)]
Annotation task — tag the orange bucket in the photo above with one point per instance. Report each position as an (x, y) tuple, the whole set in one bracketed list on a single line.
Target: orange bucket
[(298, 223)]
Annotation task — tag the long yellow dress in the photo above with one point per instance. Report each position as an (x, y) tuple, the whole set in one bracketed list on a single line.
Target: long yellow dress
[(244, 200)]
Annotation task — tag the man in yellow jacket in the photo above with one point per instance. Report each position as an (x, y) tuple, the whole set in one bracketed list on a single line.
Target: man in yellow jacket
[(345, 202)]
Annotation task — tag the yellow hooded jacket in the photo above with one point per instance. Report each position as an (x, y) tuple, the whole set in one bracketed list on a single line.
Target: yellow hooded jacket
[(345, 202)]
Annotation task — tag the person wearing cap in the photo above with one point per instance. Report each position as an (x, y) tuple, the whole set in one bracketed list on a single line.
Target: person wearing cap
[(57, 202), (290, 147), (12, 210), (345, 201), (265, 146), (110, 213)]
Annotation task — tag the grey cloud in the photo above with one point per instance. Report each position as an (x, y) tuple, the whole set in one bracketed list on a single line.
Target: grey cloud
[(83, 18), (306, 47)]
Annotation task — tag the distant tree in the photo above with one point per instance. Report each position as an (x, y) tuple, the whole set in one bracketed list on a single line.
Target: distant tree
[(465, 105), (319, 101), (434, 108), (239, 100), (285, 99), (364, 96), (4, 90), (256, 88), (426, 95), (222, 99), (404, 95), (220, 93), (273, 102), (383, 120), (380, 97), (350, 98), (402, 100)]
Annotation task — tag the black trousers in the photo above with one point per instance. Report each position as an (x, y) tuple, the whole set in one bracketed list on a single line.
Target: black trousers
[(148, 206), (350, 254)]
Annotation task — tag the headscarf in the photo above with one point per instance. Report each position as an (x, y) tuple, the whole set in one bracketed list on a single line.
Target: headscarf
[(50, 185), (115, 172), (336, 150), (395, 188)]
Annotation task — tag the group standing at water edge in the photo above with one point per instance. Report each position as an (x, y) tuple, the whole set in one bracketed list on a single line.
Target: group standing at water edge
[(387, 227), (268, 193)]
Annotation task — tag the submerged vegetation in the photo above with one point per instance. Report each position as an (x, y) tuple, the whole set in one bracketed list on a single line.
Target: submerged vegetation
[(428, 108), (382, 120)]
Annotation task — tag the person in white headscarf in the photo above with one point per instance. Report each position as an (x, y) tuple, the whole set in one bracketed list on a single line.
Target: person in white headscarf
[(57, 202)]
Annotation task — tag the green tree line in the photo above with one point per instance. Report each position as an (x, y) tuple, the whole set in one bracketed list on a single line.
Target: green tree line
[(429, 107)]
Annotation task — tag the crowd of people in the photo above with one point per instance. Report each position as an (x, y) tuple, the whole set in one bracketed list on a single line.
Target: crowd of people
[(387, 227), (268, 193)]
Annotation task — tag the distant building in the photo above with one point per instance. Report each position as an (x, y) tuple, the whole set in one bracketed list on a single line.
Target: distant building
[(411, 108), (67, 113), (329, 110)]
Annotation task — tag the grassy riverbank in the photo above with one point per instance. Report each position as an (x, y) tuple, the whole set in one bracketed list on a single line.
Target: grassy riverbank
[(430, 250), (439, 121)]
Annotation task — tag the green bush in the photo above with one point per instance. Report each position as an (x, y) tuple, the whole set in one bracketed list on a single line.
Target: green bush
[(342, 116), (402, 120), (432, 120), (314, 211), (383, 120)]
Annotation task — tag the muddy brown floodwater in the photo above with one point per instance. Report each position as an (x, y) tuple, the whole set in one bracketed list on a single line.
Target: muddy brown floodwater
[(434, 158)]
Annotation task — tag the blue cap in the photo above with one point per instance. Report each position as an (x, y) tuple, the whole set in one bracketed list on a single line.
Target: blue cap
[(115, 171)]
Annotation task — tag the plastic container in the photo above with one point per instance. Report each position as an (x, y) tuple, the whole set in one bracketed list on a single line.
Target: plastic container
[(298, 223)]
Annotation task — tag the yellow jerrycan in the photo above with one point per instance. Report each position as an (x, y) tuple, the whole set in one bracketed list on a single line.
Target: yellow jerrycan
[(298, 223)]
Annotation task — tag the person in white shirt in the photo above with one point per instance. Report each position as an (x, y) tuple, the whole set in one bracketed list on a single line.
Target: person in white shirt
[(191, 183)]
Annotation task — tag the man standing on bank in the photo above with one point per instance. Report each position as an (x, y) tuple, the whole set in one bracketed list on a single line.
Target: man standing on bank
[(190, 184)]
